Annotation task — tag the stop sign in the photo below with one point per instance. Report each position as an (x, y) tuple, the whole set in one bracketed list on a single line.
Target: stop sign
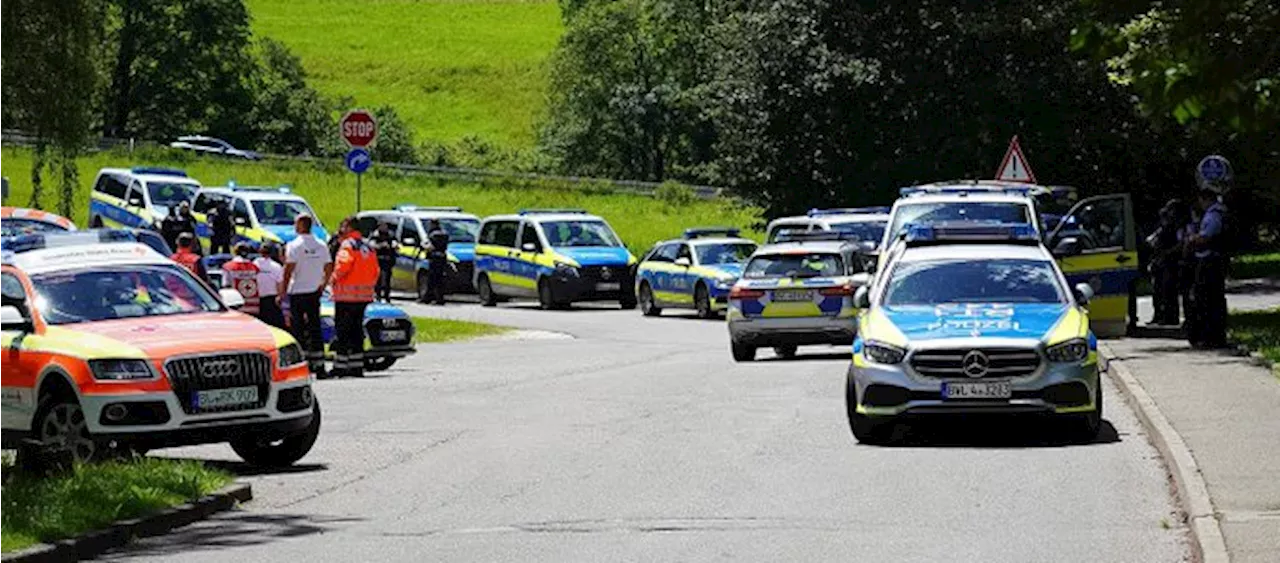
[(358, 128)]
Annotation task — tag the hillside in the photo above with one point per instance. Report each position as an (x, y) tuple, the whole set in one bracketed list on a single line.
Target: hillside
[(452, 68)]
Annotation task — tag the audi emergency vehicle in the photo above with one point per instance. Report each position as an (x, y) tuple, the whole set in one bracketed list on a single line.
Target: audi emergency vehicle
[(114, 346), (693, 272), (972, 319), (16, 221)]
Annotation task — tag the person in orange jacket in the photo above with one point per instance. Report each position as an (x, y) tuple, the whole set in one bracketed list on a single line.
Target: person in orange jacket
[(355, 273)]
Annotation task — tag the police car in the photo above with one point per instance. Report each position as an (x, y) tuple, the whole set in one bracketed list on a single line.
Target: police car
[(558, 256), (409, 224), (796, 293), (972, 319), (694, 272), (261, 214), (865, 224), (114, 346), (137, 197), (1094, 240), (20, 221)]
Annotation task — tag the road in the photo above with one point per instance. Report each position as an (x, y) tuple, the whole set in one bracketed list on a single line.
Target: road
[(640, 439)]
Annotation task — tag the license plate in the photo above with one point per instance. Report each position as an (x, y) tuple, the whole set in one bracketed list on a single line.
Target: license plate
[(792, 295), (234, 396), (976, 390), (393, 335), (609, 286)]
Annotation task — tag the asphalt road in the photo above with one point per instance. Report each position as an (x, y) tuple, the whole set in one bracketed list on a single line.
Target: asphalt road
[(640, 439)]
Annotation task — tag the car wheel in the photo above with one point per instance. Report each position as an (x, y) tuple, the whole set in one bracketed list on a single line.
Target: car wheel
[(60, 424), (743, 352), (627, 303), (485, 291), (423, 288), (785, 352), (648, 307), (547, 297), (282, 452), (1084, 427), (702, 301), (866, 429), (379, 364)]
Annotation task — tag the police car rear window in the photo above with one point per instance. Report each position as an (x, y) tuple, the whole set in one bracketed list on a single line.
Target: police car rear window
[(794, 266), (864, 230), (936, 282), (946, 212)]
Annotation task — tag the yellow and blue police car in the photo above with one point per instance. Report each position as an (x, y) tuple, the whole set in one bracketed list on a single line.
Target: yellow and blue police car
[(139, 197), (867, 224), (972, 318), (693, 272), (796, 293), (409, 224), (261, 214), (559, 256)]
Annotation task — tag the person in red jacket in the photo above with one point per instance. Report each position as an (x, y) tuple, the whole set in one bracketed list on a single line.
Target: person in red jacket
[(355, 273), (188, 258), (242, 274)]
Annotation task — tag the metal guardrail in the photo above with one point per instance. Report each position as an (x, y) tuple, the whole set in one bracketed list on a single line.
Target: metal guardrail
[(21, 138)]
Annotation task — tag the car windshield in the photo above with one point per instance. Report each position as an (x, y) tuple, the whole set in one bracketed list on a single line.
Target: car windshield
[(15, 227), (119, 293), (579, 233), (935, 282), (943, 212), (783, 232), (865, 230), (794, 266), (724, 253), (279, 211), (460, 230), (166, 194)]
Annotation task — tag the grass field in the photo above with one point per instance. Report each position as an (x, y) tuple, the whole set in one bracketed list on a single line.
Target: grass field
[(450, 67), (639, 220), (445, 330), (92, 496), (1253, 266), (1259, 330)]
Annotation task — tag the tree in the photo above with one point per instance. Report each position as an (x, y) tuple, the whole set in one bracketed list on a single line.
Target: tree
[(287, 115)]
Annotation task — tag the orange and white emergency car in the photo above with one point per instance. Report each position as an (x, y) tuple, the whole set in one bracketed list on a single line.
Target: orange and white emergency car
[(20, 221), (114, 346)]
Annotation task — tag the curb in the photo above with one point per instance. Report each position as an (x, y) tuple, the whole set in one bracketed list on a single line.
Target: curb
[(97, 542), (1208, 544)]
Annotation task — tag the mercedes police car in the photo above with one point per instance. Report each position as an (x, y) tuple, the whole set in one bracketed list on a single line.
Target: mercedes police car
[(795, 293), (261, 213), (693, 272), (866, 224), (972, 319), (558, 256), (409, 224), (137, 197)]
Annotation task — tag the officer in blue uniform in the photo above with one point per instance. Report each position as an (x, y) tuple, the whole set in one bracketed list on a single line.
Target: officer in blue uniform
[(1207, 323)]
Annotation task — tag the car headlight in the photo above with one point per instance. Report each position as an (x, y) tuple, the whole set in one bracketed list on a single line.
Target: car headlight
[(725, 283), (882, 353), (290, 355), (1074, 350), (567, 269), (121, 370)]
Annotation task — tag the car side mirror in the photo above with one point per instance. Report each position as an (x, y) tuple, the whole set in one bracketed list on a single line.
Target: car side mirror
[(13, 320), (861, 279), (241, 222), (231, 298), (135, 201), (861, 297), (683, 261), (529, 247), (1068, 246), (1083, 293), (410, 241)]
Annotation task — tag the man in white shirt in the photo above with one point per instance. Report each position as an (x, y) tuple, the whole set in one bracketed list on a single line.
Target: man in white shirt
[(307, 265), (270, 280)]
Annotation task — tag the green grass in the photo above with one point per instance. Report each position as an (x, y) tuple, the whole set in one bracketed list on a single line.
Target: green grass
[(1259, 330), (1253, 266), (639, 220), (445, 330), (93, 496), (451, 68)]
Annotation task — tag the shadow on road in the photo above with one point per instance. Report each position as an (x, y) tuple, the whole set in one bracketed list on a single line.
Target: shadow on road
[(228, 530), (801, 357), (243, 469), (996, 432)]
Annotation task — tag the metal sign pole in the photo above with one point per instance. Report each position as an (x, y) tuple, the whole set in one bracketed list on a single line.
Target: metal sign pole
[(358, 192)]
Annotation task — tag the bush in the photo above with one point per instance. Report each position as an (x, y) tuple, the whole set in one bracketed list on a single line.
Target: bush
[(675, 194), (395, 139)]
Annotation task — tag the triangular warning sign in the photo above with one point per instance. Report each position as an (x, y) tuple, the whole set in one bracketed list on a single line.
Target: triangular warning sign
[(1014, 167)]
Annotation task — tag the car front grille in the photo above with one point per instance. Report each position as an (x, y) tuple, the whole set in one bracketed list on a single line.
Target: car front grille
[(375, 329), (1000, 362), (191, 374), (605, 273)]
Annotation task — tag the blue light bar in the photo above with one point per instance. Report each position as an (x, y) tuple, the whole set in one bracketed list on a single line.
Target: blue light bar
[(697, 232), (158, 171), (849, 211), (965, 189), (816, 236), (238, 188), (539, 211), (971, 232)]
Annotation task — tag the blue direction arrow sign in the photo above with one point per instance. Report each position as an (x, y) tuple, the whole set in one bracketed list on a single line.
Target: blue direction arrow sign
[(358, 160), (1214, 169)]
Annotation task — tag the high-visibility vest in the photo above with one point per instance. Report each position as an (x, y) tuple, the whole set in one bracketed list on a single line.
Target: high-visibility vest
[(188, 260), (355, 272), (243, 276)]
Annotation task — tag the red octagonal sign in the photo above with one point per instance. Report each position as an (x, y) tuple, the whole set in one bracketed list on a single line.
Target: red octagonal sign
[(358, 128)]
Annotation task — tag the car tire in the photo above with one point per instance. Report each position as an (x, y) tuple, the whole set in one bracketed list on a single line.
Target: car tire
[(485, 291), (702, 302), (60, 423), (742, 352), (423, 287), (648, 306), (279, 453), (547, 296), (1084, 427), (379, 364), (866, 429), (786, 352), (628, 303)]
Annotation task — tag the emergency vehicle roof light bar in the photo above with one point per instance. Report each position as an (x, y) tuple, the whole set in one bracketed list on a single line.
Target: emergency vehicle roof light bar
[(157, 171), (818, 236), (238, 188), (545, 211), (699, 232), (977, 187), (849, 211), (970, 232), (40, 241), (409, 207)]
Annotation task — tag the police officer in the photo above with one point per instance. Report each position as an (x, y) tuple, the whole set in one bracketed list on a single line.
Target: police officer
[(222, 227), (307, 266), (187, 257), (385, 244), (437, 261), (177, 222), (242, 274), (355, 272), (1166, 263), (1208, 321)]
